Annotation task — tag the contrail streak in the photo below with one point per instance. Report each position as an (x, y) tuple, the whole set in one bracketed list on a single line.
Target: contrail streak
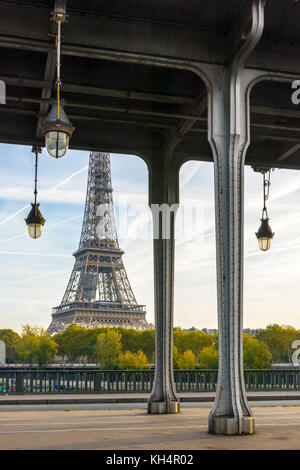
[(46, 228), (33, 278), (65, 181), (61, 183), (14, 214)]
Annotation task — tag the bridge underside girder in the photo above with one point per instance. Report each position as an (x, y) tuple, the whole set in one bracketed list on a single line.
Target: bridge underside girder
[(128, 83)]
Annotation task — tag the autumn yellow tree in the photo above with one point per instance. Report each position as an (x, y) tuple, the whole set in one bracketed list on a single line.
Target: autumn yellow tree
[(129, 360), (186, 360)]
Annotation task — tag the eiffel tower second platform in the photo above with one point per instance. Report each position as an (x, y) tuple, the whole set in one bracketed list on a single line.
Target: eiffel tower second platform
[(99, 293)]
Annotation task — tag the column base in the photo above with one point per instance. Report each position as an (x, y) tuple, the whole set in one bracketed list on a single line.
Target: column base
[(163, 407), (231, 426)]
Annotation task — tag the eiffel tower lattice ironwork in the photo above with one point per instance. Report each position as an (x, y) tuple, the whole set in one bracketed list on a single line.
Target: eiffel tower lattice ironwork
[(98, 293)]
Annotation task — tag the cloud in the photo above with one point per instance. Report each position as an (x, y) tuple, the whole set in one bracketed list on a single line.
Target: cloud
[(47, 227), (40, 276), (50, 195), (22, 253)]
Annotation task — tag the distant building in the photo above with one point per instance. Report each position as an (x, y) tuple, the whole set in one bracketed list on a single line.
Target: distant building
[(251, 332), (209, 331)]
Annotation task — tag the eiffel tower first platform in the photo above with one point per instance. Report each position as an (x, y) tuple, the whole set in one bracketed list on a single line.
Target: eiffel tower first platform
[(99, 293)]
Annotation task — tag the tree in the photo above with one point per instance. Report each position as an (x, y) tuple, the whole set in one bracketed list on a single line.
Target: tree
[(11, 340), (175, 357), (129, 339), (129, 360), (279, 340), (147, 343), (187, 360), (26, 349), (35, 346), (71, 340), (197, 340), (107, 349), (192, 339), (47, 348), (209, 358), (256, 353), (180, 339)]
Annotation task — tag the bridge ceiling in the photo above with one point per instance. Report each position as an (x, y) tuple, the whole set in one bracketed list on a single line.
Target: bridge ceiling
[(118, 105)]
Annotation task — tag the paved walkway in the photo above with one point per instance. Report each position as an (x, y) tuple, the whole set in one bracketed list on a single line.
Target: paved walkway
[(204, 397), (276, 428)]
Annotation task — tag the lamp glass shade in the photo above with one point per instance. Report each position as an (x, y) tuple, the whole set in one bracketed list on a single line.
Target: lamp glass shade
[(264, 243), (35, 221), (264, 235), (35, 230), (57, 143)]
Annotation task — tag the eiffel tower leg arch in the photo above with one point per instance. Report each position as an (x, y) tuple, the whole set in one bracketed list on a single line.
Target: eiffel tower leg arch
[(163, 201)]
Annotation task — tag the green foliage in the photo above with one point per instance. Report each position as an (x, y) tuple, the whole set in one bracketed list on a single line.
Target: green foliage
[(129, 360), (193, 340), (87, 349), (186, 360), (256, 353), (78, 342), (147, 343), (209, 358), (107, 349), (11, 340), (175, 357), (71, 340), (279, 340), (46, 350), (35, 346), (133, 340), (130, 339), (26, 349), (104, 345)]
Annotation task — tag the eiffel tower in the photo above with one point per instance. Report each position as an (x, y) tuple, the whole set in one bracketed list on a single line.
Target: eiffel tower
[(98, 293)]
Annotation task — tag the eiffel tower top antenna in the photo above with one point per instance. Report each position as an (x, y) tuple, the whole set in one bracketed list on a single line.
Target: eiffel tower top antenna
[(98, 221)]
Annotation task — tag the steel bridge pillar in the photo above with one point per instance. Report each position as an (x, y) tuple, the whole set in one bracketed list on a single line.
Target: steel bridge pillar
[(163, 188), (228, 118)]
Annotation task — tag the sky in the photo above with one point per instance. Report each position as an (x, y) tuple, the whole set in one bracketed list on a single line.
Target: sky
[(34, 273)]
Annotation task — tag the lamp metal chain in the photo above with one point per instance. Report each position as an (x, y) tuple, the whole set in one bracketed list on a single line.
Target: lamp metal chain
[(266, 192)]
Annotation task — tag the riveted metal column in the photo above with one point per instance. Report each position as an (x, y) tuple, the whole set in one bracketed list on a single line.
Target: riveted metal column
[(230, 413), (163, 202), (229, 139)]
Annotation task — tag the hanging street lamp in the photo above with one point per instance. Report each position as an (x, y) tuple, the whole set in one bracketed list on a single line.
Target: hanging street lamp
[(264, 233), (35, 220), (57, 128)]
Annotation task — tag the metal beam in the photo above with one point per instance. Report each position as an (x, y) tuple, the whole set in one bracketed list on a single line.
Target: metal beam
[(96, 91), (111, 108), (269, 111), (145, 124), (175, 136), (287, 154)]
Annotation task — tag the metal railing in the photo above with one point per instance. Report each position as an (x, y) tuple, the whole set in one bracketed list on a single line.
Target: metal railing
[(114, 381)]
